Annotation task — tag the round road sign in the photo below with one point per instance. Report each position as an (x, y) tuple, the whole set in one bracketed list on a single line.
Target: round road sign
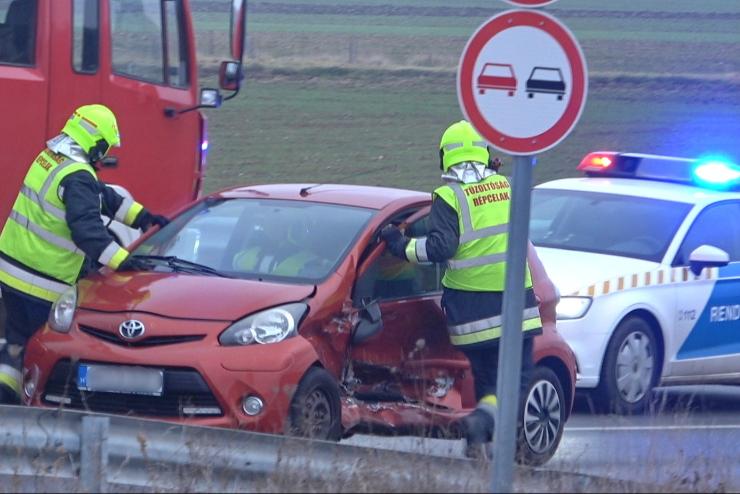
[(530, 3), (522, 81)]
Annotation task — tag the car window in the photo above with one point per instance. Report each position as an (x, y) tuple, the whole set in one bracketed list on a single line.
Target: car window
[(392, 278), (717, 225), (272, 239), (602, 223), (546, 74), (497, 70), (17, 32)]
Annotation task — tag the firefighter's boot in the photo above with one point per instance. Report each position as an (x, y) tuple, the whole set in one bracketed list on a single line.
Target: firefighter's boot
[(478, 430)]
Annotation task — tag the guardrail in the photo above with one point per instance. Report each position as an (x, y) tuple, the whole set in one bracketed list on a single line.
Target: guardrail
[(103, 452), (43, 449)]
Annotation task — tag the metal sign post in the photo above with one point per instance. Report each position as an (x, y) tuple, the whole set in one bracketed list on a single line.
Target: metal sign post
[(522, 84), (510, 348)]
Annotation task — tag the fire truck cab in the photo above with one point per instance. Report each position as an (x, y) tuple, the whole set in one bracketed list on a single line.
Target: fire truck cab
[(138, 57)]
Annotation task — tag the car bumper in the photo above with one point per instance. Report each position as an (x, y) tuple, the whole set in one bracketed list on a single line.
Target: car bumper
[(588, 342), (205, 383)]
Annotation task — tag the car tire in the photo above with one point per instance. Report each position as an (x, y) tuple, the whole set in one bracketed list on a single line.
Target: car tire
[(630, 369), (315, 410), (542, 418)]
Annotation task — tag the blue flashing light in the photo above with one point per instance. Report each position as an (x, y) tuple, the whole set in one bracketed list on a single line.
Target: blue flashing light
[(717, 172), (204, 145)]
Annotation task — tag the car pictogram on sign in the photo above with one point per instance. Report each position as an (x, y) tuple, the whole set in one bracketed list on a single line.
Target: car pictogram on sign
[(497, 76), (546, 80)]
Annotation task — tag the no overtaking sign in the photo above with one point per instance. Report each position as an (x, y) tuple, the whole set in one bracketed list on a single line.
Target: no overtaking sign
[(522, 81)]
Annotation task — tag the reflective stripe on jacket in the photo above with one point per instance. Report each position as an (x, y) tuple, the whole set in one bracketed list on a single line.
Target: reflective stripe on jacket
[(483, 214)]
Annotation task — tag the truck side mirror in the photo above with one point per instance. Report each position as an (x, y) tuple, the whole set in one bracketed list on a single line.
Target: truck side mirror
[(230, 75), (210, 98), (707, 256)]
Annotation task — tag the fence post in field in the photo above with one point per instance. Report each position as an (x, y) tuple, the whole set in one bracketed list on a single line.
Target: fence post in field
[(352, 50), (249, 42), (94, 453)]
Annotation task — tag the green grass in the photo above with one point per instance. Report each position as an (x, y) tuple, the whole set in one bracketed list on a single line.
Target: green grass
[(364, 98), (350, 127)]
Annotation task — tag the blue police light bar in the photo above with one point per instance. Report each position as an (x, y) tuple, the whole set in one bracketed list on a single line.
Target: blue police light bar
[(706, 172), (717, 172)]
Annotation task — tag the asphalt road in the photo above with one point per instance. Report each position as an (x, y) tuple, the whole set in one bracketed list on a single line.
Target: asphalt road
[(691, 441)]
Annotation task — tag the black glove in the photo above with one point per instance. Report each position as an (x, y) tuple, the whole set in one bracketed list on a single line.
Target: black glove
[(132, 263), (395, 240), (149, 220)]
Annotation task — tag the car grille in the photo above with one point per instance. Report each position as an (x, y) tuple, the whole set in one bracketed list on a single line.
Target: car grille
[(185, 394), (150, 341)]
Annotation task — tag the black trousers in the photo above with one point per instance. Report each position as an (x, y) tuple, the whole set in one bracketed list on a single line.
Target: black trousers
[(24, 315), (484, 364)]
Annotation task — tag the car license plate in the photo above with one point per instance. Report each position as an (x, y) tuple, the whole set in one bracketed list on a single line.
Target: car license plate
[(120, 379)]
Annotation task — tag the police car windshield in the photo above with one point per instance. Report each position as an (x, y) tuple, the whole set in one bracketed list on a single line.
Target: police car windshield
[(285, 241), (609, 224)]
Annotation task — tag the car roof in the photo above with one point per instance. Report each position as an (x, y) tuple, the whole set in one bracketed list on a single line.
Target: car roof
[(366, 196), (652, 189)]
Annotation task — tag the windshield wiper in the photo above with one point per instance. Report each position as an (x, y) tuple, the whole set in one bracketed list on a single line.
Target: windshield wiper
[(178, 264)]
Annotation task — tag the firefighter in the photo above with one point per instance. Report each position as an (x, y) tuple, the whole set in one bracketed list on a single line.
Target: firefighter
[(55, 235), (468, 231)]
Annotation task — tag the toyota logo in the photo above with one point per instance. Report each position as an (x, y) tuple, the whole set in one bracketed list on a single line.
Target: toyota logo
[(131, 329)]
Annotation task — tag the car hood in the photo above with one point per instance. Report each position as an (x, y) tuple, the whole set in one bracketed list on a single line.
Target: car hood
[(185, 296), (572, 270)]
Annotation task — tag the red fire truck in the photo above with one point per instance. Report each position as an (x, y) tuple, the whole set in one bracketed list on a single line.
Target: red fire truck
[(138, 57)]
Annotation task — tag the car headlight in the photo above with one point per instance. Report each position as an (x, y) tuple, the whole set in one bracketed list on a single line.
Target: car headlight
[(269, 326), (63, 311), (572, 307)]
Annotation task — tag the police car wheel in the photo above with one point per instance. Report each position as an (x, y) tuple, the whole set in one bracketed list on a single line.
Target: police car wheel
[(630, 369), (542, 418), (316, 411)]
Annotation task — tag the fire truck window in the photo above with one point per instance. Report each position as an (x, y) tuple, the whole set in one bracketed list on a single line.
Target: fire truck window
[(17, 31), (86, 41), (177, 55), (136, 27)]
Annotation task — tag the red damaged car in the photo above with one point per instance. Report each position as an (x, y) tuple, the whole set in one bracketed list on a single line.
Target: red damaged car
[(275, 308)]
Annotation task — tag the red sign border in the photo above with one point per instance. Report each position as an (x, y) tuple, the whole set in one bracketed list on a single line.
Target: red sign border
[(530, 3), (551, 137)]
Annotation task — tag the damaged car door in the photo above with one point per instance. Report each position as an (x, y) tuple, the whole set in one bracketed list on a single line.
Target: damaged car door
[(402, 368)]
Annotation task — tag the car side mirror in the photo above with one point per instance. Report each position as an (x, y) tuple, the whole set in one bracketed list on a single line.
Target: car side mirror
[(230, 75), (371, 323), (707, 256)]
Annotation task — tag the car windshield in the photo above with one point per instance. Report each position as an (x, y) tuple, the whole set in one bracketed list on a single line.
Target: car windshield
[(277, 240), (610, 224)]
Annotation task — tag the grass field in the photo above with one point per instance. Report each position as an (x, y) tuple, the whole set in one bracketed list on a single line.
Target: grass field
[(358, 91)]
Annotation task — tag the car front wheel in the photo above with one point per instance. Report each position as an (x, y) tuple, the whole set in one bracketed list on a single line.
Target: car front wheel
[(543, 418), (630, 368), (315, 411)]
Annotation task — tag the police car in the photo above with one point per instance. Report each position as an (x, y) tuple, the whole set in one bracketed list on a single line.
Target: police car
[(645, 251)]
